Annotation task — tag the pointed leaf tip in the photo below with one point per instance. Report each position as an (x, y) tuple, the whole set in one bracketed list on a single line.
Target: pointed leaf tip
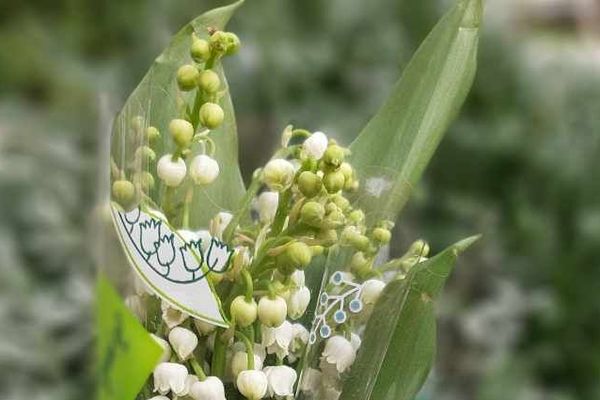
[(466, 243), (473, 11)]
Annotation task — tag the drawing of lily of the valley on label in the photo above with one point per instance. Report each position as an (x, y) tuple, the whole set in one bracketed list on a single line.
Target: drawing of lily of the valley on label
[(175, 265)]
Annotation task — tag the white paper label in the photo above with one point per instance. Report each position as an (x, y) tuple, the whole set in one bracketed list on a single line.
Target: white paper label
[(175, 269)]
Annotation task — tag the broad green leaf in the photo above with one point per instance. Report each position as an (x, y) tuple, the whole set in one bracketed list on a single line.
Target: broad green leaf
[(400, 339), (157, 100), (394, 148), (127, 354)]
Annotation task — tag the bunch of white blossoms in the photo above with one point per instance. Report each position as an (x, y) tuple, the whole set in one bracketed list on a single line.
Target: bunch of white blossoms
[(299, 213)]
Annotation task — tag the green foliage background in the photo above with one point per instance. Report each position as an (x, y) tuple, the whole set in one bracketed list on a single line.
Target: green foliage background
[(520, 317)]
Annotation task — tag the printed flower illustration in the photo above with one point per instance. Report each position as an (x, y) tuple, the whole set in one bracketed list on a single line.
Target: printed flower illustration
[(165, 250), (192, 256), (149, 235), (218, 256)]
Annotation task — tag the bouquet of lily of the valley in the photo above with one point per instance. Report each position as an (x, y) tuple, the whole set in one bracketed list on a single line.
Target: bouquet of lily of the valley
[(281, 289)]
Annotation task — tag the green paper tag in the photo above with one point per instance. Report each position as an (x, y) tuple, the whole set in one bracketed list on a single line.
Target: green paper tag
[(127, 354)]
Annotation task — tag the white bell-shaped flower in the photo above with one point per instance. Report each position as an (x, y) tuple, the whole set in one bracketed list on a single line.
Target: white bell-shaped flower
[(277, 340), (315, 145), (298, 278), (239, 362), (339, 352), (252, 384), (166, 355), (266, 205), (278, 174), (209, 389), (159, 398), (204, 170), (170, 377), (297, 301), (281, 380), (371, 291), (183, 341), (272, 311), (171, 172), (219, 223), (172, 317), (299, 339)]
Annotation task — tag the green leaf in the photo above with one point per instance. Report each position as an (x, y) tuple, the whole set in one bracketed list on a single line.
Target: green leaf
[(394, 148), (156, 100), (400, 339), (127, 354)]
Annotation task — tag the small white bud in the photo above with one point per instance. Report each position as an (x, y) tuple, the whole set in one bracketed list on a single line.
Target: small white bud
[(371, 291), (209, 389), (315, 145), (298, 278), (297, 302), (171, 172), (339, 352), (166, 356), (267, 204), (219, 223), (170, 377), (278, 174), (204, 170), (281, 380), (252, 384), (184, 342), (272, 311)]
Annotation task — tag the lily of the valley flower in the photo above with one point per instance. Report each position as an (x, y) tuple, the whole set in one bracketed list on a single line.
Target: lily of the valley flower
[(272, 311), (339, 352), (371, 291), (277, 340), (184, 342), (204, 170), (166, 355), (159, 398), (219, 223), (297, 302), (209, 389), (281, 380), (266, 205), (252, 384), (170, 377), (218, 256), (315, 145), (278, 174), (171, 172), (172, 317), (300, 338), (239, 362)]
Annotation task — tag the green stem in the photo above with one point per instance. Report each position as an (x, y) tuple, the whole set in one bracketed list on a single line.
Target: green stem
[(282, 211), (189, 195), (249, 285), (218, 358), (244, 207), (249, 348), (198, 370)]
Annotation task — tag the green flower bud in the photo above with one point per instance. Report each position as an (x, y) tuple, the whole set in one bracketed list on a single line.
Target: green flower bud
[(187, 77), (340, 201), (335, 219), (356, 217), (272, 311), (382, 236), (359, 264), (144, 180), (123, 192), (329, 237), (419, 248), (209, 81), (347, 170), (278, 174), (211, 115), (137, 123), (144, 154), (334, 157), (352, 236), (224, 43), (233, 43), (333, 181), (200, 50), (312, 213), (152, 134), (181, 131), (309, 184), (243, 312), (297, 255)]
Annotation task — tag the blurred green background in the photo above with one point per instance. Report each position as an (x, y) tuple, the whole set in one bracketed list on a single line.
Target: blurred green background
[(521, 316)]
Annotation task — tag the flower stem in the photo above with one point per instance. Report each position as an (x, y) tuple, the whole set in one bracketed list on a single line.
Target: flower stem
[(198, 369), (189, 195), (218, 358), (249, 348), (249, 285)]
